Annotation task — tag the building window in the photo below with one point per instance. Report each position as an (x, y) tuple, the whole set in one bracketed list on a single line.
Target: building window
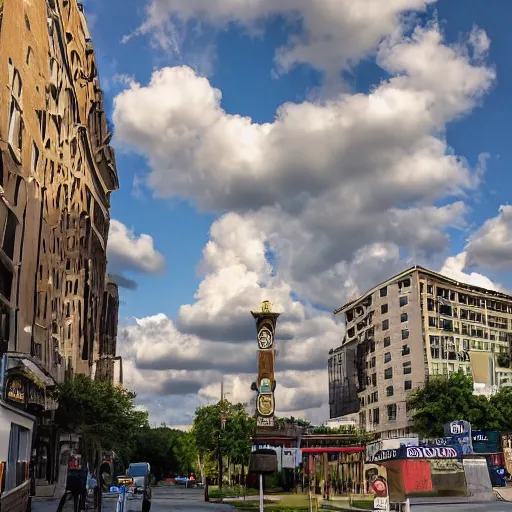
[(384, 309), (408, 385), (384, 291), (374, 379), (404, 317), (15, 121), (407, 367), (392, 412), (389, 391), (18, 457), (373, 362), (406, 350), (385, 325), (388, 373), (405, 334), (376, 416), (387, 357), (404, 301), (432, 321), (405, 283), (445, 324), (387, 341)]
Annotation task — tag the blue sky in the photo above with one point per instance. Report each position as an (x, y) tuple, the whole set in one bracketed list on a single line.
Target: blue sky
[(236, 53)]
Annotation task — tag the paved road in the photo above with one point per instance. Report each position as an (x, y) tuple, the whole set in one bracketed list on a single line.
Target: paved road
[(179, 499), (495, 506)]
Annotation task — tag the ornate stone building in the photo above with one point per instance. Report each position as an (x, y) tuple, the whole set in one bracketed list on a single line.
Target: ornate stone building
[(57, 171), (58, 312)]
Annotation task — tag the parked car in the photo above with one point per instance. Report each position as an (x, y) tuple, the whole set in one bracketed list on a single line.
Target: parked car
[(139, 472), (181, 480)]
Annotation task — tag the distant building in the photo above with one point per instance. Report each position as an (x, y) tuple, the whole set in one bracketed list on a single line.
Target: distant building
[(417, 324)]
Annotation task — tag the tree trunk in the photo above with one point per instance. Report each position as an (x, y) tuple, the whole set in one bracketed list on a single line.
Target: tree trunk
[(229, 471), (201, 468), (220, 464), (242, 474)]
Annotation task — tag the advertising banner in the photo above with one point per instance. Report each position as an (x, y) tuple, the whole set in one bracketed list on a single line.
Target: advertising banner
[(486, 441)]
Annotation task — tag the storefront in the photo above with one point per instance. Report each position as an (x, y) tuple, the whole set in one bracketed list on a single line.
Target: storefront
[(24, 400)]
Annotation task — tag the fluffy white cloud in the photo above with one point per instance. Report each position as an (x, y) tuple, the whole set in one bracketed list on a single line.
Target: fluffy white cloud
[(128, 252), (355, 147), (329, 34), (454, 268), (326, 200), (491, 245)]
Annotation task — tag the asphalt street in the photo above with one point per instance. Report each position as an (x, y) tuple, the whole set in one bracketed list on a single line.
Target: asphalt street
[(179, 499), (495, 506)]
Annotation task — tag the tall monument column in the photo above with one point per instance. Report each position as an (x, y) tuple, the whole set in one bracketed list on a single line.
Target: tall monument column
[(265, 327)]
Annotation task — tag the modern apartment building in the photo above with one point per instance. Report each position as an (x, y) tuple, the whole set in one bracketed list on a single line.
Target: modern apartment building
[(417, 324), (57, 172)]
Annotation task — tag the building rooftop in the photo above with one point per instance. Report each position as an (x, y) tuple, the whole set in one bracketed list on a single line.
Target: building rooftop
[(436, 275)]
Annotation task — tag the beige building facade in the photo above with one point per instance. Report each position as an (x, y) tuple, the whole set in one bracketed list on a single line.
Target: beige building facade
[(57, 172), (415, 325)]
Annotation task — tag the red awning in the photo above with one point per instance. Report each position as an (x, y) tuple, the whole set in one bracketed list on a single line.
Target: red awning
[(334, 449), (262, 439)]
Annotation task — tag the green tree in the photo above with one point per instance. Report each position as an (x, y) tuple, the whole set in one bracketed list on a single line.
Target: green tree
[(206, 431), (158, 447), (443, 399), (502, 401), (236, 438), (185, 452), (105, 417)]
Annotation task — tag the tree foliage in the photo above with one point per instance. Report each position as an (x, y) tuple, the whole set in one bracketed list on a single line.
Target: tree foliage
[(185, 452), (104, 415), (443, 400), (234, 440), (162, 448)]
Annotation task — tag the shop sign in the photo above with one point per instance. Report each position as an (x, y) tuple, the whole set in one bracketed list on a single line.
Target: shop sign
[(418, 452), (460, 442), (486, 441), (385, 455), (381, 504), (433, 452), (16, 391), (457, 427), (264, 422)]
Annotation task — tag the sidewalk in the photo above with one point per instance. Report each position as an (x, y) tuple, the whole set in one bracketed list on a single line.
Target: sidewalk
[(51, 504), (48, 505)]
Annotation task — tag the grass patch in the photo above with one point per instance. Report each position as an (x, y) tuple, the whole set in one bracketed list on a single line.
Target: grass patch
[(236, 491), (366, 504)]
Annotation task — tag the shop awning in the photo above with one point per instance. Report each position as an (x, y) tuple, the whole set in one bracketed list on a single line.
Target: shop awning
[(19, 360), (334, 449)]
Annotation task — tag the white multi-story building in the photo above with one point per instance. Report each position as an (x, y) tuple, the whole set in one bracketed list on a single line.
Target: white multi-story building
[(415, 325)]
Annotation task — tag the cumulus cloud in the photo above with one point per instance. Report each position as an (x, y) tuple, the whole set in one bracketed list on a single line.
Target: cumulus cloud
[(454, 268), (491, 245), (329, 35), (127, 252), (328, 199)]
